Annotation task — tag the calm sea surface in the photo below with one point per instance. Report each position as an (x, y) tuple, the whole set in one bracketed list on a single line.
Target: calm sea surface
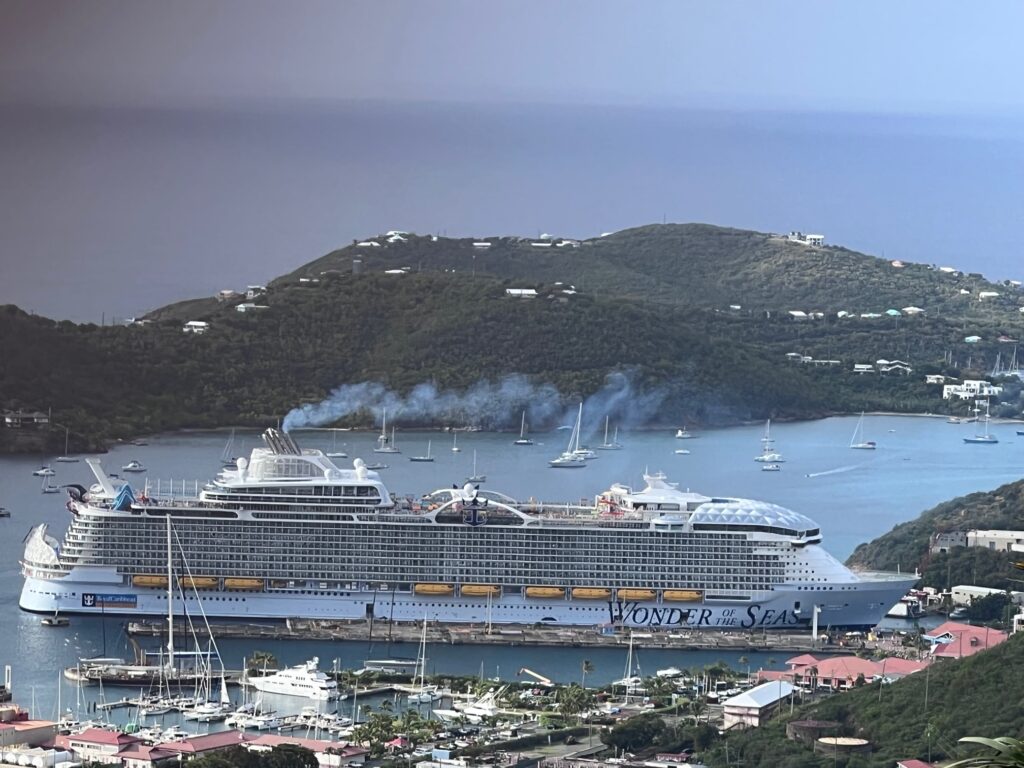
[(854, 495)]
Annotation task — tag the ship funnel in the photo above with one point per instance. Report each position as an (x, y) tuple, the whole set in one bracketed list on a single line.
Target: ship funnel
[(280, 443)]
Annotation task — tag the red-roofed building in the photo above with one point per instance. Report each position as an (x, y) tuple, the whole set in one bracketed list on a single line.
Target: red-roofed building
[(145, 756), (954, 640), (328, 753), (96, 745), (205, 743), (840, 672), (913, 763)]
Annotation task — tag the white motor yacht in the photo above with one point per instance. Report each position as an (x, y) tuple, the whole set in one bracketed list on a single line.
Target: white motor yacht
[(303, 680)]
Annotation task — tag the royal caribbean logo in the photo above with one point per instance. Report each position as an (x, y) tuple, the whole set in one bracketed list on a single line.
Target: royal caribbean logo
[(93, 600), (473, 513)]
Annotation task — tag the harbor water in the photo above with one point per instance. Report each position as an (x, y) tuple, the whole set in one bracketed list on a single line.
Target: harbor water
[(855, 495)]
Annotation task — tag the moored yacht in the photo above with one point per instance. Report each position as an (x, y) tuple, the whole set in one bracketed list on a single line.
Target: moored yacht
[(302, 680)]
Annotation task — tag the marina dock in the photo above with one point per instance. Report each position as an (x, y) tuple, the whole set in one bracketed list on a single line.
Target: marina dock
[(506, 635)]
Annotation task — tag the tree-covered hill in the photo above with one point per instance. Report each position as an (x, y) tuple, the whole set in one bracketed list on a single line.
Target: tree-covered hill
[(692, 265), (920, 716), (652, 301), (906, 545)]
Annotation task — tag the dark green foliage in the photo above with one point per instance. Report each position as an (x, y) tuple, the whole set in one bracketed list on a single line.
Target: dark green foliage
[(906, 545), (969, 697), (283, 756), (636, 733), (652, 301)]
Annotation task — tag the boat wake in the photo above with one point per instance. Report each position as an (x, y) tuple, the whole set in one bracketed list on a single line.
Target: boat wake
[(835, 471)]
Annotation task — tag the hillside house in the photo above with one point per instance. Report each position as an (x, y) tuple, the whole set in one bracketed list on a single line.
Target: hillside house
[(912, 311), (797, 315), (972, 339), (25, 419), (197, 327), (935, 378), (521, 293), (545, 244), (897, 264), (368, 244), (481, 244), (894, 366), (1003, 541), (255, 291), (954, 640), (815, 241), (987, 295), (248, 306), (944, 541), (948, 270), (753, 707), (870, 315), (860, 368), (970, 389), (227, 294), (893, 313)]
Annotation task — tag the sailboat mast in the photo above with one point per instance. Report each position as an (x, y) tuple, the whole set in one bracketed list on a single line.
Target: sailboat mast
[(170, 600), (579, 427), (606, 419)]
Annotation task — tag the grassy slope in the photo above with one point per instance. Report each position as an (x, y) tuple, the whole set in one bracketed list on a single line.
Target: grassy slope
[(971, 697)]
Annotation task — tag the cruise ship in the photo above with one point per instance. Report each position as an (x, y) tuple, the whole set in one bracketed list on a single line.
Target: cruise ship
[(286, 533)]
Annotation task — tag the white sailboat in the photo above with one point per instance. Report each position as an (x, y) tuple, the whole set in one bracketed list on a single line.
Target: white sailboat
[(427, 457), (334, 453), (858, 441), (384, 445), (227, 456), (570, 458), (65, 459), (614, 445), (984, 437), (523, 439), (424, 693), (768, 453), (476, 477)]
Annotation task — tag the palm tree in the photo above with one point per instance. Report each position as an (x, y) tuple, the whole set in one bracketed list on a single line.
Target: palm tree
[(1009, 753), (261, 660), (573, 699), (587, 667), (745, 660)]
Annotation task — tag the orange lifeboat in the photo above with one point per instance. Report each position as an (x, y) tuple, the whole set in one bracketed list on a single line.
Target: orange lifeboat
[(249, 584), (683, 595), (197, 582), (547, 592), (145, 580), (636, 594), (433, 589), (591, 593), (480, 590)]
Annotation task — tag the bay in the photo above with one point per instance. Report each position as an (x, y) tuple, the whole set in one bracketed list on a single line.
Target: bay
[(854, 495)]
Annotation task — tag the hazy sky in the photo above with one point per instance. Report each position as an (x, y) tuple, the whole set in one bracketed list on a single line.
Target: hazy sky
[(151, 151)]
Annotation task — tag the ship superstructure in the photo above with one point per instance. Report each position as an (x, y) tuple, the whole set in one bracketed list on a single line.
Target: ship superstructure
[(287, 533)]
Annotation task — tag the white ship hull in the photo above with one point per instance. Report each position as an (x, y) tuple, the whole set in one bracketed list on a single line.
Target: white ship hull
[(857, 604)]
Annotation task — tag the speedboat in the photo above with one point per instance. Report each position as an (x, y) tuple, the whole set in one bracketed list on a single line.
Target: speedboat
[(44, 471), (133, 466), (681, 452), (683, 434), (771, 467)]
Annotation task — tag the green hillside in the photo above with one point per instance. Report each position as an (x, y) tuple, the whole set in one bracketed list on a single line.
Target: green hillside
[(921, 715), (653, 302), (906, 545), (692, 265)]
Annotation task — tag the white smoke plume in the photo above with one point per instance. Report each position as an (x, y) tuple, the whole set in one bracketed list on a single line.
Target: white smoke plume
[(489, 404)]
